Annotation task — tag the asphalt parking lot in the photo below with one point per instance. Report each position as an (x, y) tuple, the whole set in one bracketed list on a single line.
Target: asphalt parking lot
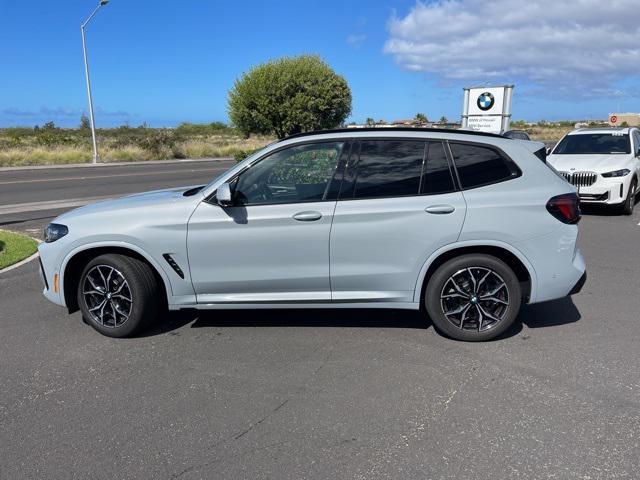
[(321, 394)]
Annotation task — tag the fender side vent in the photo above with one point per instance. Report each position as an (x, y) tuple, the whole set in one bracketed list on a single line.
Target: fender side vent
[(173, 264)]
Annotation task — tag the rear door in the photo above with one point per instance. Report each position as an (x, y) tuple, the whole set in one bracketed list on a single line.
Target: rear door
[(398, 204)]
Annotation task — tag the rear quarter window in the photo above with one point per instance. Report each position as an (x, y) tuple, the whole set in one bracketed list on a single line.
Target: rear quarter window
[(479, 165)]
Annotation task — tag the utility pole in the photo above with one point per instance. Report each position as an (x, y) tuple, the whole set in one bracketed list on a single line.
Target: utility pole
[(86, 73)]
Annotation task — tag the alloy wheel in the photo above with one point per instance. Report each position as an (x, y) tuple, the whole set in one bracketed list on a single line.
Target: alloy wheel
[(475, 299), (107, 295)]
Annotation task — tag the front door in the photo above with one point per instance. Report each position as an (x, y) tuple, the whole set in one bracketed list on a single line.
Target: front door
[(272, 244)]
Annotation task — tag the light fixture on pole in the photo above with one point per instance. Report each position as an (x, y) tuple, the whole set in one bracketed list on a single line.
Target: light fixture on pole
[(86, 73)]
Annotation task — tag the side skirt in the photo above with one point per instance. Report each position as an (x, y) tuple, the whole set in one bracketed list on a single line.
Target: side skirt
[(272, 306)]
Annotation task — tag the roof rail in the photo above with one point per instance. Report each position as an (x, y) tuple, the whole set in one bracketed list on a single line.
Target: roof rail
[(392, 129)]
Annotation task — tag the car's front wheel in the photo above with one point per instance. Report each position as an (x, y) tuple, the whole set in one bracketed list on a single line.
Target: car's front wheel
[(630, 202), (473, 297), (118, 295)]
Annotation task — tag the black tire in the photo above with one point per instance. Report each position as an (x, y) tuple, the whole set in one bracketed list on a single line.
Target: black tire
[(630, 202), (479, 265), (144, 293)]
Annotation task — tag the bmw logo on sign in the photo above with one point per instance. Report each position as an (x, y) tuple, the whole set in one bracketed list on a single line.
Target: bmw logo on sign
[(486, 101)]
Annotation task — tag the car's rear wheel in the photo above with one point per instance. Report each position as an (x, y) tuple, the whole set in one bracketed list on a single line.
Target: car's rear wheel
[(473, 297), (630, 202), (118, 295)]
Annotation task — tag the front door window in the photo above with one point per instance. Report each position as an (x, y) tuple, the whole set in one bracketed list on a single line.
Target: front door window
[(292, 175)]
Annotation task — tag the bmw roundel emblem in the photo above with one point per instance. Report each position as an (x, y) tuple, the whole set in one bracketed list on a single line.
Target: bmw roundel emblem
[(486, 101)]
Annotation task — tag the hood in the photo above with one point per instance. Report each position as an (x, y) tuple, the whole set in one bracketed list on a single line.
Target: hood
[(147, 200), (592, 163)]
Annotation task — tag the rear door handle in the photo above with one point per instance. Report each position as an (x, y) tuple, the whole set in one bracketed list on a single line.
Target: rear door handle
[(440, 209), (309, 216)]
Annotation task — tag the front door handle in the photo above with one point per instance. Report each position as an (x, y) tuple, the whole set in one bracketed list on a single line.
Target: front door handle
[(309, 216), (440, 209)]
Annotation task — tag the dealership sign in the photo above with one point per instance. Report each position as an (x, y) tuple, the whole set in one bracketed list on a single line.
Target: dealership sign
[(487, 109)]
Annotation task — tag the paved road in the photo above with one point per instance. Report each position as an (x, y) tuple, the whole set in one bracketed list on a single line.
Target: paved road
[(330, 394), (28, 198)]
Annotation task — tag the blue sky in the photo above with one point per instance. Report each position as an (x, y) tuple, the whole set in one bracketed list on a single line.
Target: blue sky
[(165, 62)]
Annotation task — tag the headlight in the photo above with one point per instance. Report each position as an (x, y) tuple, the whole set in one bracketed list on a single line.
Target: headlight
[(54, 231), (617, 173)]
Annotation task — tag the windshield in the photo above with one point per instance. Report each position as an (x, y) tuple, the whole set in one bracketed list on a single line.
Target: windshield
[(594, 144)]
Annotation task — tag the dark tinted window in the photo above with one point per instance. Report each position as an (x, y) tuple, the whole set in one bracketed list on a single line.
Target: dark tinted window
[(295, 174), (593, 143), (541, 154), (481, 165), (437, 176), (388, 168), (517, 135)]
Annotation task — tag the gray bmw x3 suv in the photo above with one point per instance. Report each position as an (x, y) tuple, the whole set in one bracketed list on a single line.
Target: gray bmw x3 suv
[(463, 226)]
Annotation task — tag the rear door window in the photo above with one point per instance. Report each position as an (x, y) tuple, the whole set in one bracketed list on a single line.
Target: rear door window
[(479, 165), (437, 174), (384, 168)]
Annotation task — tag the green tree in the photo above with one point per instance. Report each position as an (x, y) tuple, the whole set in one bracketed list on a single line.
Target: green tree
[(289, 95), (370, 121), (85, 124), (444, 119), (421, 118)]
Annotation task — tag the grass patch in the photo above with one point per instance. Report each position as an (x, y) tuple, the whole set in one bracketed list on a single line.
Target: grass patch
[(49, 145), (15, 247)]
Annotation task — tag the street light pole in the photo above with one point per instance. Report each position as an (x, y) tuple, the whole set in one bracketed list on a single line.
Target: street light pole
[(86, 74)]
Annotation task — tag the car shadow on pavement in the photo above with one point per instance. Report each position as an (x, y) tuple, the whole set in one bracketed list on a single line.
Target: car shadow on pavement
[(548, 314), (601, 210), (348, 317)]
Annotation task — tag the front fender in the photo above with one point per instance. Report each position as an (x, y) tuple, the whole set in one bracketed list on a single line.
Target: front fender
[(116, 244)]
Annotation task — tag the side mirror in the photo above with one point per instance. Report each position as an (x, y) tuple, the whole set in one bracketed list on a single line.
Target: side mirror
[(548, 150), (223, 195)]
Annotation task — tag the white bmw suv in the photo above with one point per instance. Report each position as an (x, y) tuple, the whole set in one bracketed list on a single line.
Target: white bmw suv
[(603, 164)]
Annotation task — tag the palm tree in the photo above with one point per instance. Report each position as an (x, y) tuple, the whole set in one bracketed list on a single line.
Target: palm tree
[(421, 118)]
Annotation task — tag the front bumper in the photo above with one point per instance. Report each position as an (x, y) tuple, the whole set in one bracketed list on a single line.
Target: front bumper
[(610, 191), (50, 272)]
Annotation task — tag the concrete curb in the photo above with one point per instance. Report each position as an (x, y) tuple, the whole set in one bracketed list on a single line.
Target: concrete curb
[(116, 164)]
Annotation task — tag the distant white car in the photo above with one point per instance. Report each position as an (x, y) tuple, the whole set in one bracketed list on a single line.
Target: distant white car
[(603, 163)]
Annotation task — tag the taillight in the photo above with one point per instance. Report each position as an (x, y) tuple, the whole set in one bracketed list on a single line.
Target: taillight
[(565, 208)]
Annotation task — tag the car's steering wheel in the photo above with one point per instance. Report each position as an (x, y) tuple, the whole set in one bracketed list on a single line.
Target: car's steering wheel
[(261, 191)]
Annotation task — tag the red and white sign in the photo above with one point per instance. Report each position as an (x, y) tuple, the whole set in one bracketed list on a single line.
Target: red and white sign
[(613, 119)]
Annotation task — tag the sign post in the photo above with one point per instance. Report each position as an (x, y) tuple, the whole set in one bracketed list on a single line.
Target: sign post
[(487, 109)]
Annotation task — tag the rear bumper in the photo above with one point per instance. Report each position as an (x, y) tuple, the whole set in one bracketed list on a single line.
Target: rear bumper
[(579, 284)]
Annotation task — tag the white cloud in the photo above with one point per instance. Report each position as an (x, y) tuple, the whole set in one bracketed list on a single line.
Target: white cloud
[(577, 47), (355, 39)]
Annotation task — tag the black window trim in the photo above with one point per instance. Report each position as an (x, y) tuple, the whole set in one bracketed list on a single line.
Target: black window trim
[(515, 168), (358, 140), (351, 142), (211, 199)]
